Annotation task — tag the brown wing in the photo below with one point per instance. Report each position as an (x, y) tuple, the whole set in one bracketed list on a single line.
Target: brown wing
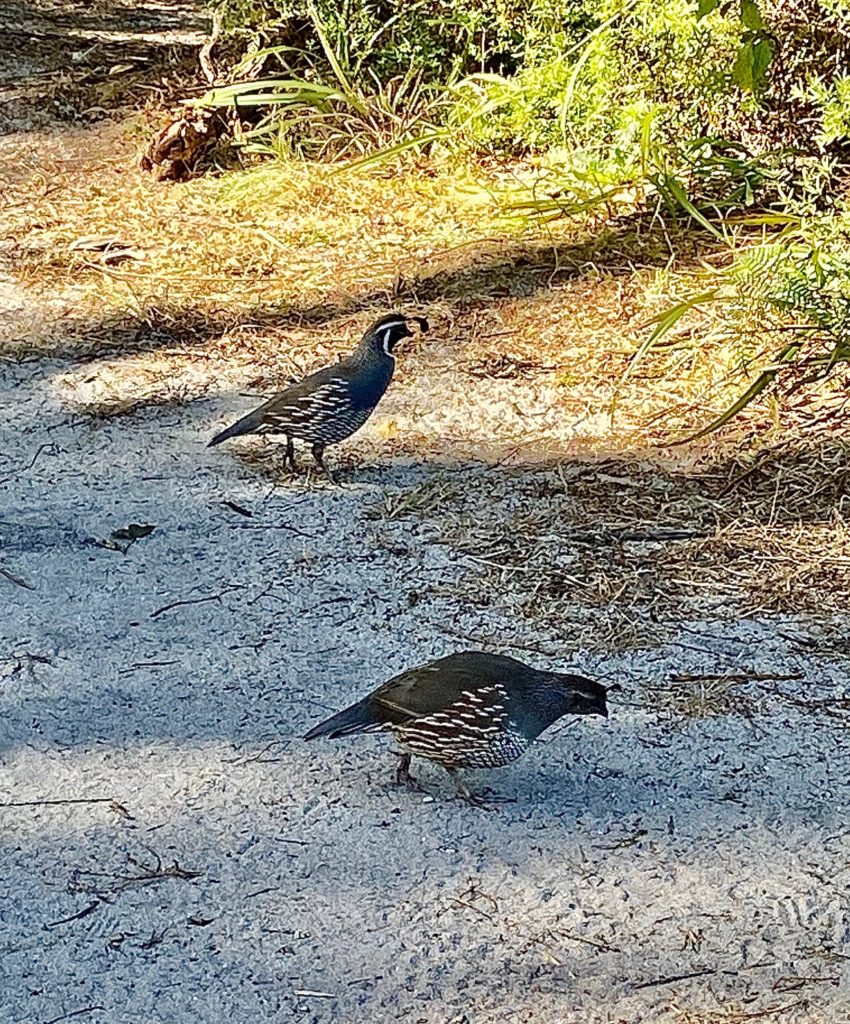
[(429, 688)]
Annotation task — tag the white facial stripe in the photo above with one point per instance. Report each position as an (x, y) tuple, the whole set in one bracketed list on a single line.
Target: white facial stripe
[(386, 330)]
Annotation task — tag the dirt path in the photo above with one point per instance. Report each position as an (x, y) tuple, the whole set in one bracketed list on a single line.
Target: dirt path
[(200, 862)]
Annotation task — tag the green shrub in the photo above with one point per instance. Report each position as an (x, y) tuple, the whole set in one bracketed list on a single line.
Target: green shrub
[(645, 57), (442, 40), (577, 76), (782, 306), (832, 100)]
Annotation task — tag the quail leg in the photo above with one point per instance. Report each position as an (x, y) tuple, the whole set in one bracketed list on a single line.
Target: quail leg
[(402, 773), (289, 453), (318, 451)]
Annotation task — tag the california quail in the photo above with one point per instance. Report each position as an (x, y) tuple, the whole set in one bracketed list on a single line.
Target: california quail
[(469, 710), (329, 405)]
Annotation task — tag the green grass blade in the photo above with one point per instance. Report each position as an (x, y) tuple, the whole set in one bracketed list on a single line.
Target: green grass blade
[(670, 185), (787, 355), (391, 151), (666, 320), (336, 67), (280, 90)]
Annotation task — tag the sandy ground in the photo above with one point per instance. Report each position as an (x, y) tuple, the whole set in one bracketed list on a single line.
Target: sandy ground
[(169, 686), (171, 851)]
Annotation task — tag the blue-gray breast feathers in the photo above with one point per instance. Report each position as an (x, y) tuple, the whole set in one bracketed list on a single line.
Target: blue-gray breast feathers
[(330, 405)]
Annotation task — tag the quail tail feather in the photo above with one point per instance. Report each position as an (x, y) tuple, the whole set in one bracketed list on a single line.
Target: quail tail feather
[(247, 425), (360, 717)]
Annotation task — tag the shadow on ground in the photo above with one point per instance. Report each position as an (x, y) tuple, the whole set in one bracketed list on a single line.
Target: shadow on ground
[(486, 273), (71, 61)]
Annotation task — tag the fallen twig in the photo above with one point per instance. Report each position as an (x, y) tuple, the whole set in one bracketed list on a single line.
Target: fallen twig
[(151, 664), (238, 508), (675, 977), (261, 892), (627, 841), (180, 604), (74, 1013), (90, 909), (192, 600), (147, 875), (70, 800), (604, 947), (15, 578), (30, 464)]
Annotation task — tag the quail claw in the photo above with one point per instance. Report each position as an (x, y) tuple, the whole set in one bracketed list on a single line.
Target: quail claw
[(486, 800), (403, 776)]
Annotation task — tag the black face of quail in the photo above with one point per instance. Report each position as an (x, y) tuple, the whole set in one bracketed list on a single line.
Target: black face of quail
[(386, 333), (549, 696), (579, 696)]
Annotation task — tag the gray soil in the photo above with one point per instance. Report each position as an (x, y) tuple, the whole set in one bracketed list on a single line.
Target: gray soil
[(172, 851)]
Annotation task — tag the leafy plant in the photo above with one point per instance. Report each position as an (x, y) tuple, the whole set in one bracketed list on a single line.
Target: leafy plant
[(789, 297), (317, 119), (757, 44)]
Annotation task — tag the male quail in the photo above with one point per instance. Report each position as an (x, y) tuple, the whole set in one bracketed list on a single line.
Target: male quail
[(469, 710), (328, 406)]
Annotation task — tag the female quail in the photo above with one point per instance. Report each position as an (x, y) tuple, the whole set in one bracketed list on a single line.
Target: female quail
[(469, 710), (331, 404)]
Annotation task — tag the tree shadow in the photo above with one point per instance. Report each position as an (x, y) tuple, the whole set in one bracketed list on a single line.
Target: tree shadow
[(304, 891), (71, 62), (485, 274)]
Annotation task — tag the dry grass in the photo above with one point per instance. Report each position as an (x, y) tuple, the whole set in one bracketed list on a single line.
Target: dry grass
[(704, 697), (247, 280), (425, 499), (609, 554), (227, 263)]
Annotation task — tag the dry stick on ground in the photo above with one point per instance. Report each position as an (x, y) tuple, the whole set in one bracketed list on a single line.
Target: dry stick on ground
[(74, 1013), (30, 464), (90, 909), (616, 535), (238, 508), (703, 973), (70, 800), (736, 677), (604, 947), (148, 875), (21, 582), (194, 600)]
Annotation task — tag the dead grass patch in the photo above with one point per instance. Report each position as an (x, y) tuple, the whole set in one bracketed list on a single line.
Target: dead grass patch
[(704, 697), (235, 262), (614, 553), (255, 278), (424, 499)]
